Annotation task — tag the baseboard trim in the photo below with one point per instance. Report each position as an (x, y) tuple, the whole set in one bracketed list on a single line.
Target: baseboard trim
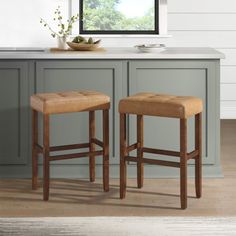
[(227, 112), (81, 171)]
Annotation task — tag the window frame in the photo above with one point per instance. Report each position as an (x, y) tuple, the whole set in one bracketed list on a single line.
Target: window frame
[(156, 31)]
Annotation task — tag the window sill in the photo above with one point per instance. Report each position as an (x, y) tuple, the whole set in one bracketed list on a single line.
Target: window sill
[(125, 35)]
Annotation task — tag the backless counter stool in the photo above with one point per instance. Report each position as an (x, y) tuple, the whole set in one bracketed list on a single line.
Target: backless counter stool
[(65, 102), (152, 104)]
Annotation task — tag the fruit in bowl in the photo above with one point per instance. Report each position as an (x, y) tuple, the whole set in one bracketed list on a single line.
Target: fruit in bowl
[(80, 43)]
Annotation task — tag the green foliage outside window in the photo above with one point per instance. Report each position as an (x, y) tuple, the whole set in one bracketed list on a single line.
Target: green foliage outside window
[(103, 15)]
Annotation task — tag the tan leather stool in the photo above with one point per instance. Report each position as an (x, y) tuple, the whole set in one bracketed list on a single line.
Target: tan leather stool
[(64, 102), (151, 104)]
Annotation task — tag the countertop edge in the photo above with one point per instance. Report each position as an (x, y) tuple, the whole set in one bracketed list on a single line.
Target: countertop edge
[(119, 54)]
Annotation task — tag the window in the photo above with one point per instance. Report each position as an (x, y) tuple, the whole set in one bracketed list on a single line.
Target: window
[(119, 16)]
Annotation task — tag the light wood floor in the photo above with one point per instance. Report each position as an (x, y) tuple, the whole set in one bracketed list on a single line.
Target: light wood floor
[(159, 197)]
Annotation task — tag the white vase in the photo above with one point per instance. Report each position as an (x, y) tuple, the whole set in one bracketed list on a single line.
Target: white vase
[(61, 42)]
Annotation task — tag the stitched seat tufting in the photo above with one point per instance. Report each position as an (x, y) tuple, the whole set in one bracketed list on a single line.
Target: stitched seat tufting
[(161, 105), (71, 101)]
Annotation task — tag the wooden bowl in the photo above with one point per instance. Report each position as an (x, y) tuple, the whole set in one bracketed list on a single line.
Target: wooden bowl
[(82, 46)]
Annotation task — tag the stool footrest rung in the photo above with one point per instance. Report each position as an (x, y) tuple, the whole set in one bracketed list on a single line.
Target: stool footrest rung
[(190, 155), (69, 147), (39, 148), (193, 154), (160, 152), (63, 148), (97, 142), (75, 155), (152, 161), (132, 147)]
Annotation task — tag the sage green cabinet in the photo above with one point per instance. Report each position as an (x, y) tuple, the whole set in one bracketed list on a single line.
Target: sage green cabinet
[(14, 116), (186, 77), (102, 76)]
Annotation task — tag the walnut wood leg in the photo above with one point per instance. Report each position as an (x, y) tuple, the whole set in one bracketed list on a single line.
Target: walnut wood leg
[(140, 165), (122, 155), (198, 160), (106, 150), (46, 157), (183, 163), (92, 145), (34, 150)]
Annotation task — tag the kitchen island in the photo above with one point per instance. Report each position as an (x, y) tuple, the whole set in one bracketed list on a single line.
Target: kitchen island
[(118, 72)]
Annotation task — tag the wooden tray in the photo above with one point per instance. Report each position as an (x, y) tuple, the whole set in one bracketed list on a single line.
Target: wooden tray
[(71, 50)]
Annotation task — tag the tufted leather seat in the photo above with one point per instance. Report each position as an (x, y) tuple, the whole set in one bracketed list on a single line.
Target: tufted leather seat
[(161, 105), (71, 101)]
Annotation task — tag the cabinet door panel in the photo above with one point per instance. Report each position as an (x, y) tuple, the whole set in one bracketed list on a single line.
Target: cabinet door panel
[(178, 78), (102, 76), (14, 113)]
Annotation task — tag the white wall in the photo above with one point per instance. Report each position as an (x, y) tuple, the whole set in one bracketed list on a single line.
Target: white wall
[(209, 23), (19, 22), (191, 22)]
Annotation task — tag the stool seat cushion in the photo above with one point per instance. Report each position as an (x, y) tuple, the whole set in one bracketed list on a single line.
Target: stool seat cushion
[(161, 105), (71, 101)]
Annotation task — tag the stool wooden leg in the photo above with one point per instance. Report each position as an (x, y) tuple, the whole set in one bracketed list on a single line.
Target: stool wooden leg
[(183, 163), (122, 155), (34, 150), (46, 157), (106, 150), (140, 166), (92, 145), (198, 160)]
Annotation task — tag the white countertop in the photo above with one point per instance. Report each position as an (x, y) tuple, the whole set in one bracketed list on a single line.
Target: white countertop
[(116, 53)]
